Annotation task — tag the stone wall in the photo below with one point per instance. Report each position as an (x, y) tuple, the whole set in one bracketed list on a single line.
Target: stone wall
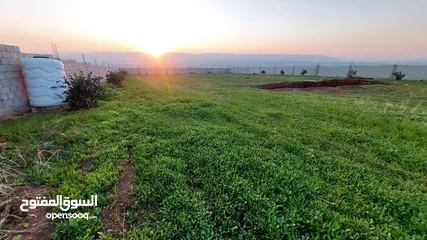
[(13, 95)]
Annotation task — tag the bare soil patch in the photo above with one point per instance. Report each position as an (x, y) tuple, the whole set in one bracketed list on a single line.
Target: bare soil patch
[(87, 164), (113, 216), (335, 85), (25, 225)]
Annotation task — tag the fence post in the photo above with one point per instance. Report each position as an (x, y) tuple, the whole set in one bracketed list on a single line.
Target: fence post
[(259, 69), (293, 70), (317, 69), (393, 70), (274, 72), (84, 60), (97, 69), (248, 70)]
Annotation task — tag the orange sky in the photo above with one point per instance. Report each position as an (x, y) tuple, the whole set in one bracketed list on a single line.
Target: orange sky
[(368, 30)]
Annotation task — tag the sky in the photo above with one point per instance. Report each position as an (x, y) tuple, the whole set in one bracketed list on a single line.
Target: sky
[(349, 29)]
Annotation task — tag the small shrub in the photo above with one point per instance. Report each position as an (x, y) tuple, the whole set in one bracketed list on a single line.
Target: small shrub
[(398, 75), (116, 78), (303, 72), (351, 73), (263, 72), (123, 72), (282, 72), (109, 92), (83, 91)]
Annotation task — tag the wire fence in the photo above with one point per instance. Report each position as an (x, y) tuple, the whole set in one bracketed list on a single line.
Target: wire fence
[(96, 68), (412, 72)]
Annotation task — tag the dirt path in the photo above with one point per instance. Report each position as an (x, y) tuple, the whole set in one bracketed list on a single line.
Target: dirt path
[(113, 216)]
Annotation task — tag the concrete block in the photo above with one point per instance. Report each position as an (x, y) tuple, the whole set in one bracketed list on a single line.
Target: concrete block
[(4, 90), (16, 49), (4, 61), (4, 83), (14, 55), (12, 68), (10, 48), (14, 74), (14, 61), (11, 95), (2, 75), (2, 48), (5, 54), (8, 102)]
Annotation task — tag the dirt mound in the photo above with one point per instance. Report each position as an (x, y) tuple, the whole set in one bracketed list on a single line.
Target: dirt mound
[(322, 84)]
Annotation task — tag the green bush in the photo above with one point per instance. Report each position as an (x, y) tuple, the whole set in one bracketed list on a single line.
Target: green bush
[(83, 91), (398, 75), (109, 92), (263, 72), (351, 73), (303, 72), (282, 72), (116, 78)]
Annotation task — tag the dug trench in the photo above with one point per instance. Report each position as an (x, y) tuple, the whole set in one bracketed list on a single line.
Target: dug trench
[(334, 85), (113, 216)]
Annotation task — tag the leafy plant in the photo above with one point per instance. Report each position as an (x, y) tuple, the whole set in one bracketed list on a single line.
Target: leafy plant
[(303, 72), (398, 75), (83, 91), (282, 72), (116, 78), (123, 72), (263, 72), (351, 73)]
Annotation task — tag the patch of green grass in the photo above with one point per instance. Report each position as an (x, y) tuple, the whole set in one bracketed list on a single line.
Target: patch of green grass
[(222, 159)]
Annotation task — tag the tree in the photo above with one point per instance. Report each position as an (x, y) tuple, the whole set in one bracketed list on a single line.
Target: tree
[(351, 73), (398, 75), (263, 72), (282, 72), (303, 72)]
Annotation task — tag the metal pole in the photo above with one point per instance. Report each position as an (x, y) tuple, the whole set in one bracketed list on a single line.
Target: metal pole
[(84, 60), (97, 69), (237, 69), (274, 70)]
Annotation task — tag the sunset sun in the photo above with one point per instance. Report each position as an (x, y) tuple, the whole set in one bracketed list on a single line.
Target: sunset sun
[(154, 49)]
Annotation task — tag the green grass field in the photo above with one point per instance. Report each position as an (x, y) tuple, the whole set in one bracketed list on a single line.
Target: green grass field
[(217, 158)]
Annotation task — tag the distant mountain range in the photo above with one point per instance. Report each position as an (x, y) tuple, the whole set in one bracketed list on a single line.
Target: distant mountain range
[(135, 59)]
